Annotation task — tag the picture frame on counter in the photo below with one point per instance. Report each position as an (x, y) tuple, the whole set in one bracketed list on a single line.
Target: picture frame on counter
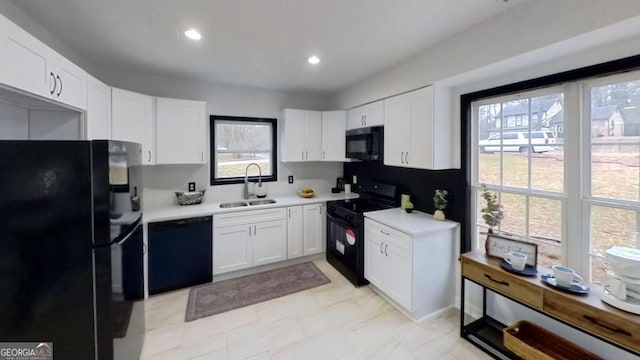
[(499, 245)]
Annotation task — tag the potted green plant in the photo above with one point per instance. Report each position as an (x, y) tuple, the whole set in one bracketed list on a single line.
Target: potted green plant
[(440, 203), (492, 212)]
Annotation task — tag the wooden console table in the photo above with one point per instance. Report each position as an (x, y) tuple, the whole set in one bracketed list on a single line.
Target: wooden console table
[(586, 313)]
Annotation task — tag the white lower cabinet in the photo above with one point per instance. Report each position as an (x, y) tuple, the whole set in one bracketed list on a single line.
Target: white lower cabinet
[(249, 238), (413, 269), (269, 242), (306, 229), (232, 248), (388, 261)]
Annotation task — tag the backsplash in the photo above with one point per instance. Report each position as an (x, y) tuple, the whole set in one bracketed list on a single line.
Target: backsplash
[(420, 184)]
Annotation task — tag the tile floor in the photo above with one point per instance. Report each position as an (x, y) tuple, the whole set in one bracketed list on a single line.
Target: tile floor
[(333, 321)]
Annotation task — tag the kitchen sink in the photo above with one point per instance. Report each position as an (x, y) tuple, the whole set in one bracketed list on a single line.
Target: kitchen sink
[(262, 202), (233, 204)]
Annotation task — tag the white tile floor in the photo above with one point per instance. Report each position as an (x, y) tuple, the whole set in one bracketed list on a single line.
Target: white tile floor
[(333, 321)]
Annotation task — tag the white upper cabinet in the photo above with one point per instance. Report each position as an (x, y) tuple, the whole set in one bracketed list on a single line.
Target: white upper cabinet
[(29, 65), (366, 115), (132, 119), (180, 131), (418, 129), (98, 120), (301, 135), (333, 135)]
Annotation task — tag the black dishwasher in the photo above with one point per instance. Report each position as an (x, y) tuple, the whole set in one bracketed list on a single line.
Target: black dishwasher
[(180, 253)]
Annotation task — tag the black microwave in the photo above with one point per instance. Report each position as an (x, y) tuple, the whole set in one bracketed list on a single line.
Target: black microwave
[(365, 143)]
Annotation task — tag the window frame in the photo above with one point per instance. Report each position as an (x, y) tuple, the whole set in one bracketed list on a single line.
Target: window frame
[(213, 149), (578, 255)]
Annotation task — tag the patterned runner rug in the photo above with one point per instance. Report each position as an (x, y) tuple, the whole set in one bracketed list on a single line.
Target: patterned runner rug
[(210, 299)]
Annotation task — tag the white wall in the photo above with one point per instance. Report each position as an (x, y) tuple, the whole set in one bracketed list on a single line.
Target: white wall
[(161, 181)]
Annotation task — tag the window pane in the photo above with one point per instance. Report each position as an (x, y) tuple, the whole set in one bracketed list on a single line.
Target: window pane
[(599, 269), (620, 160), (515, 169), (610, 226), (489, 168), (515, 220), (545, 228), (239, 144), (547, 170)]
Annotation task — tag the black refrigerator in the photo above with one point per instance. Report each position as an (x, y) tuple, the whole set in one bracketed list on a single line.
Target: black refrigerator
[(64, 208)]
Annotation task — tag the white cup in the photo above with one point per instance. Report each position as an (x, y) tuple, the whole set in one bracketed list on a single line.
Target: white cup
[(565, 276), (347, 188), (517, 260)]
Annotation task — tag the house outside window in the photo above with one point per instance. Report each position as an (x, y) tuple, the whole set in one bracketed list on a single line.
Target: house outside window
[(237, 142)]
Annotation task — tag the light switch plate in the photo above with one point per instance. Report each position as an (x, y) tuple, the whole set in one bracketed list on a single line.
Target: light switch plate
[(192, 186), (290, 179)]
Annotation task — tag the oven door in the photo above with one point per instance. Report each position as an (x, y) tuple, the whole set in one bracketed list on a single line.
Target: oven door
[(345, 249)]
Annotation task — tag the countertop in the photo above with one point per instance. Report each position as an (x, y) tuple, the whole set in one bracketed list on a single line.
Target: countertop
[(174, 212), (416, 223)]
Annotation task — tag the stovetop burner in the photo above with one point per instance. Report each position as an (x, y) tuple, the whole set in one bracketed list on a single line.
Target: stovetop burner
[(362, 205)]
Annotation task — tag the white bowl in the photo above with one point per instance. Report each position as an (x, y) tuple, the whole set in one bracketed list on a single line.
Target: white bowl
[(624, 261)]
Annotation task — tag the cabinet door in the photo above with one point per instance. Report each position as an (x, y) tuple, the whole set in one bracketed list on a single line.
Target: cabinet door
[(420, 103), (400, 275), (98, 110), (180, 131), (333, 135), (313, 136), (132, 119), (314, 228), (232, 248), (375, 263), (397, 129), (71, 83), (269, 242), (25, 62), (374, 114), (292, 140), (355, 118), (294, 232)]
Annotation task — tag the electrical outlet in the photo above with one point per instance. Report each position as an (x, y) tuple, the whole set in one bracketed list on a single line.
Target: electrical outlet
[(192, 186), (354, 180), (290, 179)]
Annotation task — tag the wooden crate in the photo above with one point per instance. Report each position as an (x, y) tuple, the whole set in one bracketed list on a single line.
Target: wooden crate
[(532, 342)]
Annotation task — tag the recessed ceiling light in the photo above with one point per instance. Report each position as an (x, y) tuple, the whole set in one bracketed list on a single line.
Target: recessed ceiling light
[(314, 60), (193, 34)]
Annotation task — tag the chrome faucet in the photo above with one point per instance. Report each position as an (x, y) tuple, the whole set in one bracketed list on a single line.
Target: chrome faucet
[(248, 194)]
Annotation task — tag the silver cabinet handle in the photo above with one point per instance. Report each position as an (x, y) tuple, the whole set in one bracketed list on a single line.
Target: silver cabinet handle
[(386, 246), (255, 231), (362, 120), (302, 155), (365, 119), (324, 154), (55, 83), (406, 157), (402, 157), (307, 153), (381, 243), (320, 208), (59, 91), (202, 155), (289, 212), (149, 160), (384, 232), (249, 230)]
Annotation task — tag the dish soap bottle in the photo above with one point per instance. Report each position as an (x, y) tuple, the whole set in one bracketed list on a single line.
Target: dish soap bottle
[(135, 200)]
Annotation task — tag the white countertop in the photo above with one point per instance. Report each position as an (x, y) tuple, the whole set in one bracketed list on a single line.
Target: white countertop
[(415, 223), (174, 212)]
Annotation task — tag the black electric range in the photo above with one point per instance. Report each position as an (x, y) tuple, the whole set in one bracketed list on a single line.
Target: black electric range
[(345, 228)]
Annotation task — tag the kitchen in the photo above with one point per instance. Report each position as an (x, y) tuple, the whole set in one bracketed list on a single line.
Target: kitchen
[(432, 66)]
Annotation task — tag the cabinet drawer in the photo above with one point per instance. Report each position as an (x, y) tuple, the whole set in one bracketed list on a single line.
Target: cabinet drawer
[(249, 217), (503, 283), (390, 235), (603, 323)]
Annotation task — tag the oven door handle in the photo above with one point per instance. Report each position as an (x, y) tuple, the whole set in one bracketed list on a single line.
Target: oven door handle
[(339, 221)]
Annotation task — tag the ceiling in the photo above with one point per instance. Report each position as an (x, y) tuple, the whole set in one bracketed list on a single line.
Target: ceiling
[(258, 43)]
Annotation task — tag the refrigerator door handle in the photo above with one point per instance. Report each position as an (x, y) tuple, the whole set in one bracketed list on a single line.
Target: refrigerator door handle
[(125, 236)]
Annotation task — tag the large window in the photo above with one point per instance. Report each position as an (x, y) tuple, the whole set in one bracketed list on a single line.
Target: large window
[(237, 142), (564, 162)]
